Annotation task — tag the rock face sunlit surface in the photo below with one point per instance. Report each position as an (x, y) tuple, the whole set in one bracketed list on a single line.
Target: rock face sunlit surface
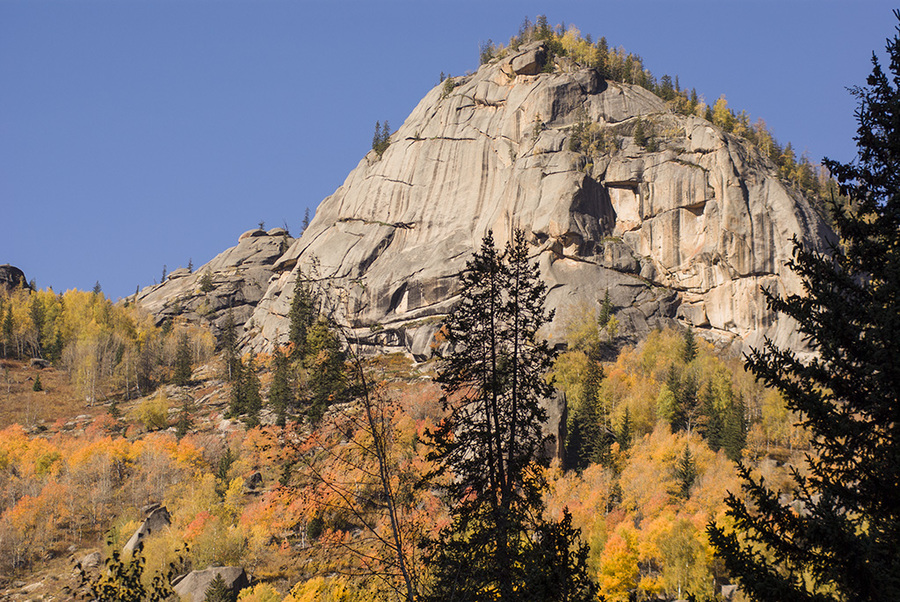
[(692, 231)]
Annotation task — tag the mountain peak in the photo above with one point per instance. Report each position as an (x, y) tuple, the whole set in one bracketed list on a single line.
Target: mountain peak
[(678, 219)]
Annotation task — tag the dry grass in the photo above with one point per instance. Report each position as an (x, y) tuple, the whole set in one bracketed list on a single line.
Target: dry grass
[(20, 404)]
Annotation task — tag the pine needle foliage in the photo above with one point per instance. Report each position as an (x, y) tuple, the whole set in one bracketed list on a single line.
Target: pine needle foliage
[(838, 540)]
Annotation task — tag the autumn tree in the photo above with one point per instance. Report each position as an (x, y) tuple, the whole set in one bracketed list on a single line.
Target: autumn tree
[(842, 543), (124, 581), (492, 444)]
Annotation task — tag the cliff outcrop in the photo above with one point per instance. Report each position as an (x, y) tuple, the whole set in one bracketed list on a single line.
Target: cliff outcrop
[(236, 280), (685, 223)]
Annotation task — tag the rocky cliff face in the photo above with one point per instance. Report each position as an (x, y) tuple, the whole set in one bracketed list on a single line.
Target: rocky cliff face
[(235, 279), (691, 231)]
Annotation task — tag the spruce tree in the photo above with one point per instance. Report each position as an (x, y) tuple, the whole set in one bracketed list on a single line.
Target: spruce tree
[(606, 311), (8, 332), (182, 375), (734, 429), (302, 314), (588, 438), (689, 348), (230, 353), (492, 445), (714, 419), (219, 591), (625, 431), (38, 317), (685, 473), (324, 362), (251, 401), (843, 542), (280, 395)]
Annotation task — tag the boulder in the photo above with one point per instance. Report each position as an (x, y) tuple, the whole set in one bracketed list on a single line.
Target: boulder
[(192, 587), (530, 61), (91, 561), (252, 234), (157, 519), (179, 273), (253, 482), (12, 277), (239, 277)]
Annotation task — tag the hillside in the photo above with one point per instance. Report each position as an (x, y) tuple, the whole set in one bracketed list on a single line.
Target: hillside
[(279, 404)]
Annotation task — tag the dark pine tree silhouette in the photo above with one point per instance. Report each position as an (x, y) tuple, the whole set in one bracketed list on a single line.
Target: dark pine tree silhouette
[(491, 445), (842, 544)]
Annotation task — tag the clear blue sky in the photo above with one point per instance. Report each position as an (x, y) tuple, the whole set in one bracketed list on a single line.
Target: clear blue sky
[(136, 134)]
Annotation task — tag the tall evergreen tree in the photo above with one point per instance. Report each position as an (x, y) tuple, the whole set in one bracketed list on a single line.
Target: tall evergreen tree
[(281, 397), (8, 332), (843, 543), (324, 363), (625, 431), (589, 437), (492, 442), (182, 375), (734, 428), (689, 349), (245, 396), (606, 311), (685, 473), (230, 348), (302, 314)]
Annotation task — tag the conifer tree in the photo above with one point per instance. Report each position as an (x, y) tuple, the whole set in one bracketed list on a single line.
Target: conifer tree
[(625, 431), (734, 429), (685, 473), (498, 546), (842, 544), (606, 311), (250, 399), (38, 318), (280, 395), (230, 349), (714, 420), (589, 438), (182, 375), (8, 330), (218, 591), (184, 423), (302, 314), (206, 282), (689, 349), (324, 362)]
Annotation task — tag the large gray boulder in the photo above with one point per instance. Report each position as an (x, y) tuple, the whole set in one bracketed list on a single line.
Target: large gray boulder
[(158, 518), (192, 587)]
